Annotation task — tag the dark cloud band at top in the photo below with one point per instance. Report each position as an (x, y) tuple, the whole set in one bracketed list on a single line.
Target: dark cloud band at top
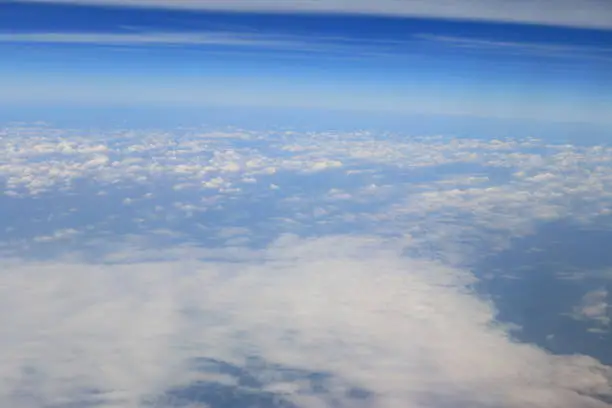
[(583, 14)]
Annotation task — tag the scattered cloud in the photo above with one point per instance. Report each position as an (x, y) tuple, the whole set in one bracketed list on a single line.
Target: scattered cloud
[(58, 235), (437, 189)]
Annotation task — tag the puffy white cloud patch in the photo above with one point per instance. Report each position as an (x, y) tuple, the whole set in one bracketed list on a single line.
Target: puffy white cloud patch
[(445, 191), (594, 306), (340, 321)]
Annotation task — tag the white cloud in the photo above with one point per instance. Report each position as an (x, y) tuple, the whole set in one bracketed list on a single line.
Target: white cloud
[(58, 235), (323, 165), (594, 306), (585, 13), (408, 331), (382, 175), (349, 306)]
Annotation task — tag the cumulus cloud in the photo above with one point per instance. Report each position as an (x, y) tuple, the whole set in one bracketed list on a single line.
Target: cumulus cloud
[(586, 13), (594, 307), (338, 321), (385, 182), (57, 235)]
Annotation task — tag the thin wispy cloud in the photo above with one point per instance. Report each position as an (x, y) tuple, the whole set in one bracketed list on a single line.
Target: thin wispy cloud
[(532, 48), (221, 41), (315, 44), (154, 38), (586, 13)]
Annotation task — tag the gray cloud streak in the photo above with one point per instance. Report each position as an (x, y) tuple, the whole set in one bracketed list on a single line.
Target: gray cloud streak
[(161, 38), (580, 52), (586, 13)]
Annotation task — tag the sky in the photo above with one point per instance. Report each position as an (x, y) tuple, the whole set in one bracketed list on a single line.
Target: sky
[(534, 60), (305, 204)]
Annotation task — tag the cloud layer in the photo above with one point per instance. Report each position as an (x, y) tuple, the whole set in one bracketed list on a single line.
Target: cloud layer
[(436, 189), (589, 13), (405, 332), (387, 318)]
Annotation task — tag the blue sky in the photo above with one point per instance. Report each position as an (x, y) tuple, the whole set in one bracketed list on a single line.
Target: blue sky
[(209, 262), (474, 60)]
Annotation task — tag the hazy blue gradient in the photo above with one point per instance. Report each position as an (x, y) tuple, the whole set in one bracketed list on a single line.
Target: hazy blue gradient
[(143, 57)]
